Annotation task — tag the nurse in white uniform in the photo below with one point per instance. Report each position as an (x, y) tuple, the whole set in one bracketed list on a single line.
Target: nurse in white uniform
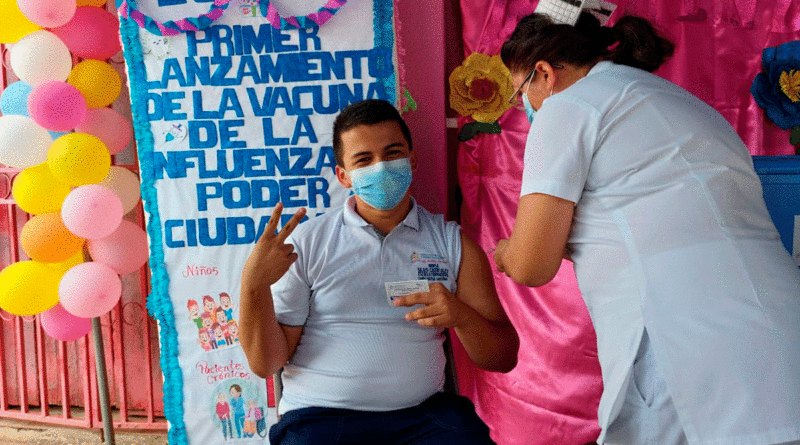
[(653, 196)]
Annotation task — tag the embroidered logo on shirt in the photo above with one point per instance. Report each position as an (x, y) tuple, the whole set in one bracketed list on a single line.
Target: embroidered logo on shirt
[(433, 272), (427, 258)]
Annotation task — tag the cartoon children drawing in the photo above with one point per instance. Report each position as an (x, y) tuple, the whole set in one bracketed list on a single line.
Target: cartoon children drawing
[(222, 320), (237, 404), (204, 338), (224, 414), (226, 304), (233, 331), (210, 306), (194, 313), (219, 335)]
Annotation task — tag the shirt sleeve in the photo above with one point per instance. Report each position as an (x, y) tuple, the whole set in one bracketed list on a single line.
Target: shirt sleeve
[(291, 294), (559, 149)]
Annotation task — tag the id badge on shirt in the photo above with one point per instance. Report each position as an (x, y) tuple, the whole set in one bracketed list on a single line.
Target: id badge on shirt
[(400, 288)]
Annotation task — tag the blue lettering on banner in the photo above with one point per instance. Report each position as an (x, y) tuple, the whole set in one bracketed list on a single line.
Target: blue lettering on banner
[(222, 230), (247, 163), (221, 70)]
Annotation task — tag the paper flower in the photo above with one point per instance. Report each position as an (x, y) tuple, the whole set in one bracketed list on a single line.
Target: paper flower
[(480, 88), (777, 88)]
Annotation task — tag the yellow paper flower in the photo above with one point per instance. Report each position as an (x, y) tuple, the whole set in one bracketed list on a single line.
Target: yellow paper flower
[(790, 84), (480, 88)]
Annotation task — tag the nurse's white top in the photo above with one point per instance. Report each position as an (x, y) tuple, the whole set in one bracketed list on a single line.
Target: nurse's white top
[(671, 234)]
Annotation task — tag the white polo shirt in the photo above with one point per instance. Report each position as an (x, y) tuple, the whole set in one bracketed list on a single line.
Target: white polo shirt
[(671, 234), (357, 351)]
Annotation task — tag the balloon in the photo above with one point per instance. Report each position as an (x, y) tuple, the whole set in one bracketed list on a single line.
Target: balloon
[(22, 143), (47, 13), (61, 325), (15, 24), (125, 250), (92, 2), (99, 83), (46, 239), (28, 288), (78, 158), (36, 191), (57, 105), (89, 290), (39, 57), (62, 266), (125, 184), (14, 99), (93, 33), (92, 211), (110, 126)]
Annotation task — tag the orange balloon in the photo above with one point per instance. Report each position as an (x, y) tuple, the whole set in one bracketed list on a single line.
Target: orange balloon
[(45, 239)]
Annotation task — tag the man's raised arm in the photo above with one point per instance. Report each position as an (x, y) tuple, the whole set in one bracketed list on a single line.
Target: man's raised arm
[(267, 344)]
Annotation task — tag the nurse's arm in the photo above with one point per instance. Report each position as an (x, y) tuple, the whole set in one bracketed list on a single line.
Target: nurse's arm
[(532, 254)]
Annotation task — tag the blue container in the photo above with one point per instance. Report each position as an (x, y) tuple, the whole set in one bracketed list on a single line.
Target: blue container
[(780, 179)]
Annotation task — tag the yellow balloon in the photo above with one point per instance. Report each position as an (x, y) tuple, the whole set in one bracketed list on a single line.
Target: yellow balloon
[(13, 24), (91, 2), (78, 159), (37, 191), (28, 288), (99, 83)]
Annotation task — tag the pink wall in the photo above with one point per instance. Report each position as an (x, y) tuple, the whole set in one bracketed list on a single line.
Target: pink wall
[(422, 38)]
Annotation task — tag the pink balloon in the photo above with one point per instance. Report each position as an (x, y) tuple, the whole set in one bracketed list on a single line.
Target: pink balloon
[(89, 290), (125, 250), (110, 126), (61, 325), (91, 211), (56, 106), (48, 13), (93, 33)]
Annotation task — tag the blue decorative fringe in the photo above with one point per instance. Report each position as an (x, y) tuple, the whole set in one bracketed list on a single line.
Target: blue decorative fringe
[(159, 304), (383, 26)]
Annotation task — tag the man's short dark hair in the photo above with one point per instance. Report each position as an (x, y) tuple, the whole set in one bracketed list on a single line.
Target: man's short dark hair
[(365, 112)]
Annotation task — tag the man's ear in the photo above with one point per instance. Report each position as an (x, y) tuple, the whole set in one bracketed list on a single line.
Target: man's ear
[(343, 177), (412, 159)]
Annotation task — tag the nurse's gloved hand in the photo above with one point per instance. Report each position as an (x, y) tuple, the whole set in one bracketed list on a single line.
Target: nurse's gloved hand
[(442, 308)]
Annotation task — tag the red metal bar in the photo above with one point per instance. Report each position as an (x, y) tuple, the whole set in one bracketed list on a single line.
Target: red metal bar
[(22, 377), (3, 373), (119, 362), (88, 410), (42, 365), (63, 374)]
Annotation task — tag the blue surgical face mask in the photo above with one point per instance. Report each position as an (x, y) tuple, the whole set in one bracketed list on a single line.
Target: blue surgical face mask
[(382, 185), (529, 111)]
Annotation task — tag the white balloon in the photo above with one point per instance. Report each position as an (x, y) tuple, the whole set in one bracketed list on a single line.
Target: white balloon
[(125, 184), (23, 143), (41, 57)]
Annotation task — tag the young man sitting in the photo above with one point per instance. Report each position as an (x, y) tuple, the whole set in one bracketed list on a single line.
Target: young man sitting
[(362, 365)]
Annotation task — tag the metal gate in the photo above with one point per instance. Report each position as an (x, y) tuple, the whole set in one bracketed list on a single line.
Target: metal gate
[(50, 381)]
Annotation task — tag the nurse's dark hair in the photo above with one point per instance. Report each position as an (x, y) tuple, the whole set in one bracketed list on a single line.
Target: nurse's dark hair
[(365, 112), (632, 41)]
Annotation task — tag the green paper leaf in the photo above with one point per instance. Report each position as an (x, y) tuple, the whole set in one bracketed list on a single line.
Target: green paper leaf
[(489, 128), (471, 129), (468, 131), (794, 136)]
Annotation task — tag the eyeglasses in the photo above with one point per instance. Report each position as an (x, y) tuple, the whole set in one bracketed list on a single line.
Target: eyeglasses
[(514, 99)]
